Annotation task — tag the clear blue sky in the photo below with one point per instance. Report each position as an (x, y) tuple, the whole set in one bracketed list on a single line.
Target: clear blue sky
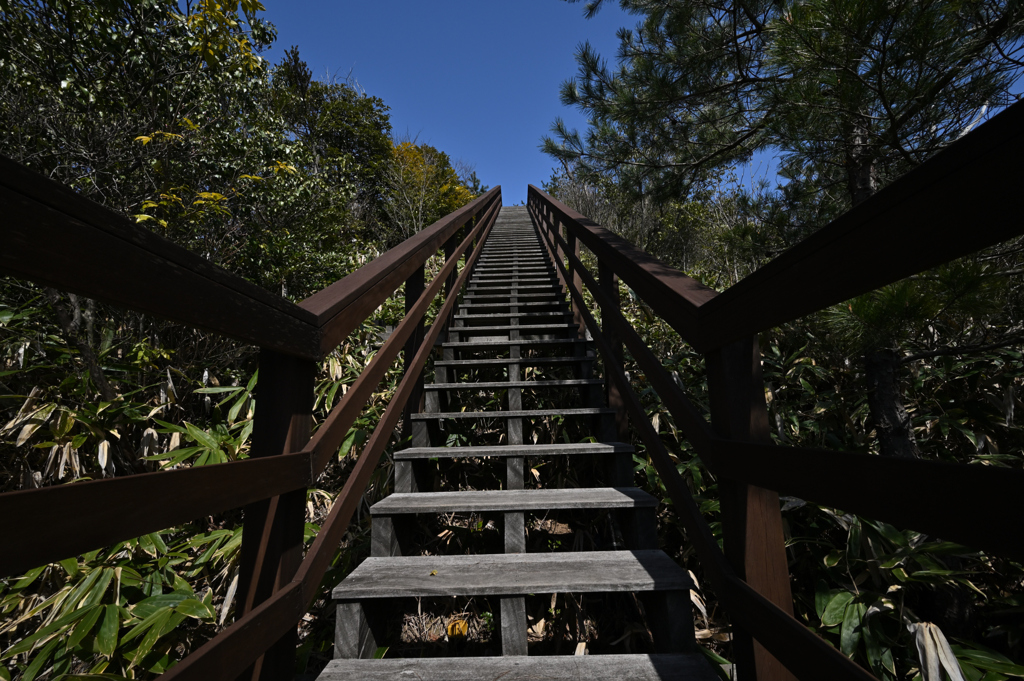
[(478, 79)]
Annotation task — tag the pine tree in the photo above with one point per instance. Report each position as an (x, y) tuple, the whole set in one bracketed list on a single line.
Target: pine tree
[(850, 93)]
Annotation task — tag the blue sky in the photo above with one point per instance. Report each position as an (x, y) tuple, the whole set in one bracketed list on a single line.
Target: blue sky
[(476, 79)]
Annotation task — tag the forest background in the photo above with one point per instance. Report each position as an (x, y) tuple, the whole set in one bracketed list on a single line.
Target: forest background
[(293, 182)]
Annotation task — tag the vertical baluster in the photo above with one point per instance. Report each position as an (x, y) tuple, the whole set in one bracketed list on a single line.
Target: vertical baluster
[(273, 529)]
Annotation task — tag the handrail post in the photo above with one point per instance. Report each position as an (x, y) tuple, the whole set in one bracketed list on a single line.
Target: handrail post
[(751, 518), (609, 283), (272, 534), (409, 474), (577, 281), (414, 287)]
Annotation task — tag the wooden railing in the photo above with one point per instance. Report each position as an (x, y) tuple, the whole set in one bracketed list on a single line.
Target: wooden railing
[(964, 199), (55, 237), (959, 202)]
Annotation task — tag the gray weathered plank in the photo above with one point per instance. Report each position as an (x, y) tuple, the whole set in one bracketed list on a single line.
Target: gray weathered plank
[(524, 413), (513, 574), (568, 449), (693, 667), (480, 385), (514, 500)]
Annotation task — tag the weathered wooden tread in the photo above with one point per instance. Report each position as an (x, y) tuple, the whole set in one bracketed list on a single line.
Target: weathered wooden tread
[(513, 574), (676, 667), (510, 315), (498, 385), (506, 289), (566, 326), (514, 500), (510, 266), (501, 361), (481, 451), (518, 413), (511, 341), (550, 303), (503, 294)]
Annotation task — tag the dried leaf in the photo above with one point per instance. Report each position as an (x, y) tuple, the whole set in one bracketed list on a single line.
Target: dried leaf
[(33, 421), (103, 455), (934, 652)]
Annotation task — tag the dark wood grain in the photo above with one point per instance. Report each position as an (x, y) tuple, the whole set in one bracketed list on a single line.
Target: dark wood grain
[(232, 651), (335, 427), (272, 536), (967, 504), (960, 201), (672, 295)]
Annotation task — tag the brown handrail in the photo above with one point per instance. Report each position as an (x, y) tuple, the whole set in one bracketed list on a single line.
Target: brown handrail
[(129, 266), (234, 649), (948, 506), (157, 501), (811, 657), (343, 305), (921, 230)]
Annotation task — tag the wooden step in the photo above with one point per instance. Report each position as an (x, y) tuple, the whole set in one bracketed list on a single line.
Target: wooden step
[(504, 289), (502, 361), (518, 413), (510, 315), (551, 290), (501, 385), (534, 342), (514, 500), (667, 667), (529, 451), (513, 574), (483, 306)]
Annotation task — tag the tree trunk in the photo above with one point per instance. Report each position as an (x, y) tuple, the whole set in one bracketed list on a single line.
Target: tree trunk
[(861, 178), (72, 332), (890, 418), (885, 400)]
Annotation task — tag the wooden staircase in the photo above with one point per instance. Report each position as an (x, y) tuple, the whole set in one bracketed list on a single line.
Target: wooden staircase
[(514, 317)]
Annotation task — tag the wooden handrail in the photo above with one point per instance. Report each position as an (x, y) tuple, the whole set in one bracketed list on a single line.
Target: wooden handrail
[(335, 427), (801, 651), (919, 221), (53, 236), (234, 649), (964, 503), (948, 505), (157, 501), (672, 295), (105, 256), (837, 259), (343, 305)]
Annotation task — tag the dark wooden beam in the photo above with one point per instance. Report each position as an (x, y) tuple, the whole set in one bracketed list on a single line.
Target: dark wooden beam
[(973, 505), (68, 520), (53, 236), (956, 203), (344, 305)]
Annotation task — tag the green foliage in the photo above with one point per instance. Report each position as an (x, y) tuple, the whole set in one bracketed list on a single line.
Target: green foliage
[(422, 187), (165, 112), (123, 608), (851, 93)]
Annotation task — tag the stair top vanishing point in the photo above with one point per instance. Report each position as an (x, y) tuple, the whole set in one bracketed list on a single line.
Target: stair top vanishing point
[(514, 341)]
